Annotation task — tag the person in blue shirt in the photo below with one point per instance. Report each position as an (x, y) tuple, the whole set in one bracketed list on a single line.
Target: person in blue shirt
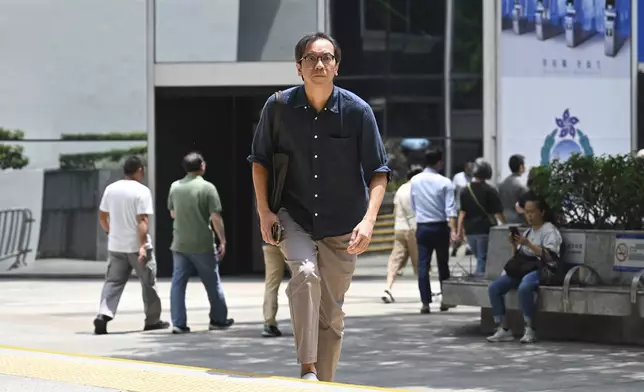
[(432, 196)]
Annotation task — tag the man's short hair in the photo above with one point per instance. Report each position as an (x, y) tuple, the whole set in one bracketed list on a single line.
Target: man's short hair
[(482, 170), (433, 156), (301, 45), (132, 165), (192, 162), (515, 163)]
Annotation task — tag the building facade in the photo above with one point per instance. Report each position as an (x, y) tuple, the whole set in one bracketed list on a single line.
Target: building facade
[(85, 83)]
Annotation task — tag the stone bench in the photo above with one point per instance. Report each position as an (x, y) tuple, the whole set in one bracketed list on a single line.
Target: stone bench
[(597, 302)]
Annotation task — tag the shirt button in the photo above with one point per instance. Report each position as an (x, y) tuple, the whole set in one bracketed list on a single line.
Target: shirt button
[(316, 195), (315, 119), (315, 176), (315, 156), (315, 136), (316, 214)]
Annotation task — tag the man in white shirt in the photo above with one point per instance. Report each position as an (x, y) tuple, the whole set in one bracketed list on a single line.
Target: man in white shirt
[(124, 211), (405, 245)]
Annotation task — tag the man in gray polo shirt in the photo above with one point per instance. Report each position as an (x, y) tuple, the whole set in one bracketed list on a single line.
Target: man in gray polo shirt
[(511, 189)]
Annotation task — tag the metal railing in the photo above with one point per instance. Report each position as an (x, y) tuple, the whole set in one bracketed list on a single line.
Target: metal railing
[(15, 235)]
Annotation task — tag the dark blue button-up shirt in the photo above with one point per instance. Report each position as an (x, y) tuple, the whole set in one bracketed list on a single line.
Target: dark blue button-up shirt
[(332, 156)]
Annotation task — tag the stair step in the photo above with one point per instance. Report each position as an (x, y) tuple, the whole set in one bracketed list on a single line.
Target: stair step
[(389, 224), (382, 240), (379, 248), (383, 232), (385, 216)]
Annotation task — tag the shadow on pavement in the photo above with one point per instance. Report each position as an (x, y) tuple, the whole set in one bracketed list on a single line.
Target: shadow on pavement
[(441, 350)]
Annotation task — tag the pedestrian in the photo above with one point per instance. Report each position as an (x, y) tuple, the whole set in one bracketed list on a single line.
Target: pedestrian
[(460, 182), (480, 210), (511, 189), (274, 265), (195, 206), (405, 246), (123, 214), (327, 213), (432, 196)]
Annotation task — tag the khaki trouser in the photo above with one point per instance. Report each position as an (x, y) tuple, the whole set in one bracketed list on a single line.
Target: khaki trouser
[(321, 273), (405, 247), (274, 266), (119, 269)]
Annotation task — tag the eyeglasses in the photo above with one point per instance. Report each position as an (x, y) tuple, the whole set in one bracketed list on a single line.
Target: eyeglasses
[(312, 60)]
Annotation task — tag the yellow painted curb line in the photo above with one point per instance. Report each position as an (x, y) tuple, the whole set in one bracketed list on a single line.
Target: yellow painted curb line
[(143, 380)]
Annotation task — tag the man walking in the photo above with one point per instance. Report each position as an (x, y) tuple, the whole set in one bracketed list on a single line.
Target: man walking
[(460, 181), (511, 189), (194, 205), (405, 246), (274, 265), (335, 151), (433, 199), (123, 214)]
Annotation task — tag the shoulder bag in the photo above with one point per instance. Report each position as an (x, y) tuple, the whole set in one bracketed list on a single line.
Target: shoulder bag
[(279, 170), (280, 160)]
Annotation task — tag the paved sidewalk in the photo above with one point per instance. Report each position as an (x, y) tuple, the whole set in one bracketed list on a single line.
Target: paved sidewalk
[(369, 266), (390, 346)]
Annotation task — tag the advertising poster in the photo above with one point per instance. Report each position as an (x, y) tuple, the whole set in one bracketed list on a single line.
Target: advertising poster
[(640, 35), (564, 79)]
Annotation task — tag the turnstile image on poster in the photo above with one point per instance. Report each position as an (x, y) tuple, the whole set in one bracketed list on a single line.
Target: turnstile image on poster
[(578, 23), (546, 20)]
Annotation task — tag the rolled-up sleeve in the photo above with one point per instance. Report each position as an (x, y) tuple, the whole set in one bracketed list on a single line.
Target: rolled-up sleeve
[(262, 147), (373, 155), (450, 205)]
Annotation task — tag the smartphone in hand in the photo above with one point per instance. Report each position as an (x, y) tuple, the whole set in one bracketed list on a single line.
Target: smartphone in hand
[(515, 231)]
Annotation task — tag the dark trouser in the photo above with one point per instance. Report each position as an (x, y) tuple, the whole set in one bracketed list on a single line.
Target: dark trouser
[(432, 237)]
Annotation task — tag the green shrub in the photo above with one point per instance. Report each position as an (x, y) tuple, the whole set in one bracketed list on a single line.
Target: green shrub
[(136, 135), (96, 160), (605, 192), (12, 156)]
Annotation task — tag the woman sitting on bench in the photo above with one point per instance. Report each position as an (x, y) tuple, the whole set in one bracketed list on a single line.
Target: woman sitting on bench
[(522, 271)]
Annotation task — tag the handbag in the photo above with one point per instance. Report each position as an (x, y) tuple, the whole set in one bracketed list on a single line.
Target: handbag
[(489, 217), (521, 264), (552, 270), (280, 160)]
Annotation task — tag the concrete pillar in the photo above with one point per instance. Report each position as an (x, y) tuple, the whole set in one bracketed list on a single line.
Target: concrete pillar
[(490, 86)]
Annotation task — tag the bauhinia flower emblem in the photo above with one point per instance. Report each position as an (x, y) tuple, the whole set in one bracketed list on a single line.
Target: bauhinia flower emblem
[(567, 124)]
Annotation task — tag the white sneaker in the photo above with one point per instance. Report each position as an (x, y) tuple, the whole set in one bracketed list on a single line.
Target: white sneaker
[(310, 376), (529, 336), (501, 335)]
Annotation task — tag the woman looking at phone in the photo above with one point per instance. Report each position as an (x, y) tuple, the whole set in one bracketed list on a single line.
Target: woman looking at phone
[(541, 237)]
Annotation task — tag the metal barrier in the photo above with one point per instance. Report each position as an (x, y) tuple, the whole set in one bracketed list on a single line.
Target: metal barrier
[(635, 285), (568, 280), (15, 235)]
